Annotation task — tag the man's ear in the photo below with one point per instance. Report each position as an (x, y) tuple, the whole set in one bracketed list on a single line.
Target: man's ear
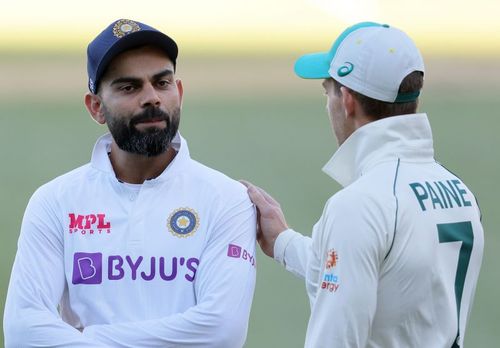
[(349, 102), (180, 88), (94, 106)]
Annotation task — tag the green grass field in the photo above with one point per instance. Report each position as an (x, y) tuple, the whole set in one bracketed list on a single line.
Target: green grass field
[(250, 118)]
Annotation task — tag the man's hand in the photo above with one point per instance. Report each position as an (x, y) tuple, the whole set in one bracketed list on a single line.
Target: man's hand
[(270, 219)]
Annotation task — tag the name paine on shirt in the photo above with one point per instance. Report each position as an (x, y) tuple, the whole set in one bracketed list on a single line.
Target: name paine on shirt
[(443, 194)]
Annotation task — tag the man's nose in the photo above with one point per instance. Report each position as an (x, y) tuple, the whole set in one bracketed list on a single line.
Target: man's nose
[(150, 96)]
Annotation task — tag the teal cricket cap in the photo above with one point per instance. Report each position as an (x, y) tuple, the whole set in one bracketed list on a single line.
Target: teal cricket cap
[(369, 58)]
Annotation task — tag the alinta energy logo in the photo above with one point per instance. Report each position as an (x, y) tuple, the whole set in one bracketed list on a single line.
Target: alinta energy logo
[(93, 268), (330, 276), (89, 224)]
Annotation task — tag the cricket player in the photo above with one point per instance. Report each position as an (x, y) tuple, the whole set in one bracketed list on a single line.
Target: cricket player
[(395, 257), (143, 246)]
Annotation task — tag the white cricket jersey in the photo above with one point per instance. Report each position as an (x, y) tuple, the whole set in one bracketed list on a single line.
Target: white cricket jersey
[(395, 257), (169, 263)]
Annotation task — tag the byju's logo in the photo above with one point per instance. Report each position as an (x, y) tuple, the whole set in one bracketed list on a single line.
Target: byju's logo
[(88, 224), (87, 268), (235, 251)]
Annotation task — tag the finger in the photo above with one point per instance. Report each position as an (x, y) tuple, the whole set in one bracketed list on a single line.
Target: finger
[(246, 183), (258, 231), (257, 211), (258, 227), (268, 197), (257, 197)]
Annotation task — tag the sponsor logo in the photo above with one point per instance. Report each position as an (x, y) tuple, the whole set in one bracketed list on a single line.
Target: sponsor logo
[(89, 224), (87, 268), (235, 251), (330, 276), (90, 268), (183, 222), (331, 259), (345, 69)]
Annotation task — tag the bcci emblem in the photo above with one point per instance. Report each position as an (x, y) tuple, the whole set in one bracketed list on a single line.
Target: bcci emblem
[(124, 27), (183, 222)]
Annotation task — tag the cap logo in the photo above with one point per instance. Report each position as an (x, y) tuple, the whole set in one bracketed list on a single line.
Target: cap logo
[(124, 27), (345, 69)]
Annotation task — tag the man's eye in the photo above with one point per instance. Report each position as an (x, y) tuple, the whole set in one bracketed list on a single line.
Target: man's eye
[(163, 83), (127, 88)]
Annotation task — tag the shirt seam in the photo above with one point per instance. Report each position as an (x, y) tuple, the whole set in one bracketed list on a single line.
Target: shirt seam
[(397, 208)]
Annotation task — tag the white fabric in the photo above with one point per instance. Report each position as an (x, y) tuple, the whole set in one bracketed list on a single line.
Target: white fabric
[(380, 57), (379, 271), (140, 285)]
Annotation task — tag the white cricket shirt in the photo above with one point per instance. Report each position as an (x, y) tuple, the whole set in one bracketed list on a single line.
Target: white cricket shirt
[(169, 263), (395, 257)]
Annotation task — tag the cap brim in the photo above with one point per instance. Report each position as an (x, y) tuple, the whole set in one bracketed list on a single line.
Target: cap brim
[(313, 66), (137, 39)]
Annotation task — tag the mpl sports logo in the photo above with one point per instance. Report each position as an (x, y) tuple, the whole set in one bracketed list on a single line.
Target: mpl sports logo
[(235, 251), (92, 268), (330, 276), (89, 224)]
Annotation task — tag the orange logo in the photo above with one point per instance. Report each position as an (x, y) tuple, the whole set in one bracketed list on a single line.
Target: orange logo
[(331, 259)]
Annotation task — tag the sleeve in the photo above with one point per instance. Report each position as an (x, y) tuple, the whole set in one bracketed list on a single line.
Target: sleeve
[(31, 317), (224, 286), (292, 250), (352, 242)]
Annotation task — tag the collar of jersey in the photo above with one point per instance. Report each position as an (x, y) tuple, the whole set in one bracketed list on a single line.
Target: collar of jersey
[(405, 137), (100, 159)]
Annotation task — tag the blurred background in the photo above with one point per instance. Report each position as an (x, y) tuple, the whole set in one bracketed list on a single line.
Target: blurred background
[(247, 115)]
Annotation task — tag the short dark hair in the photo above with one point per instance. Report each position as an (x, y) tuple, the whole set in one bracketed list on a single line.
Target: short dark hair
[(377, 109)]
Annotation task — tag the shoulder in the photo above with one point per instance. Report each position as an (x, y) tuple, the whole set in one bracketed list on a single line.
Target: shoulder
[(369, 201), (374, 188), (354, 203), (44, 207), (65, 183), (216, 183), (368, 192), (227, 200)]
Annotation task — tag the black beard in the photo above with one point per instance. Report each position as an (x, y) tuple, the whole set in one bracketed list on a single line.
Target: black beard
[(151, 142)]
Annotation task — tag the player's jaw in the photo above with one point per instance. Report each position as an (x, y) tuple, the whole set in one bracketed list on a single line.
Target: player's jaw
[(148, 133)]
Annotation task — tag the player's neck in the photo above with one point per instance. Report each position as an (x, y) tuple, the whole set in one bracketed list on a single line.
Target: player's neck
[(135, 169)]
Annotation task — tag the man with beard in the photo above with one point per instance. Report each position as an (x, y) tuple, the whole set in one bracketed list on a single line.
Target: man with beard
[(143, 246)]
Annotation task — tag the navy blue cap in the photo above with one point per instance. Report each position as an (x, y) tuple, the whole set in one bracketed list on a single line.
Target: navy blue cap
[(120, 36)]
